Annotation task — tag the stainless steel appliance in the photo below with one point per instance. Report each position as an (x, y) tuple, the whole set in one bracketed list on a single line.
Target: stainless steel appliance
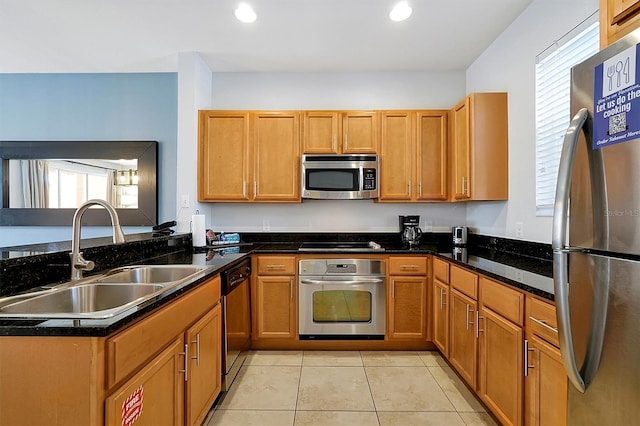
[(236, 311), (459, 235), (410, 231), (342, 299), (596, 239), (340, 177)]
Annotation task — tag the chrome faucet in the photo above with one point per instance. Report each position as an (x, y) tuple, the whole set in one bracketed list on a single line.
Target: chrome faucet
[(78, 264)]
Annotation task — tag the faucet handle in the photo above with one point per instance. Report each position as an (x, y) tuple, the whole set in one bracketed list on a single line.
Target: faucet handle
[(83, 264)]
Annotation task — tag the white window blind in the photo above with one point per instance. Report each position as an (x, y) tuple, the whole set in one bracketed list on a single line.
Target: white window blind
[(553, 75)]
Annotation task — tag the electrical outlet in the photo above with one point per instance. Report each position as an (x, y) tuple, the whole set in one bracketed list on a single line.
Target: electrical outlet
[(266, 225), (184, 200), (519, 276), (428, 226), (519, 231)]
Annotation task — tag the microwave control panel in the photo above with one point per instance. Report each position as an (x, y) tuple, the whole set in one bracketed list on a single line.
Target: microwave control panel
[(369, 179)]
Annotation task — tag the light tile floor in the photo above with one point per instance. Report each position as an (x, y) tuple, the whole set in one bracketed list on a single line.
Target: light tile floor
[(354, 388)]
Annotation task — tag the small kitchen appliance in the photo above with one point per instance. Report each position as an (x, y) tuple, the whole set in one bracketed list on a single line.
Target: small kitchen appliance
[(410, 230), (459, 235)]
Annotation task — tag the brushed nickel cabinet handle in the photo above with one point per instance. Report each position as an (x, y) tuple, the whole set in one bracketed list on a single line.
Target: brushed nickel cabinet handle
[(544, 324), (186, 361), (197, 356)]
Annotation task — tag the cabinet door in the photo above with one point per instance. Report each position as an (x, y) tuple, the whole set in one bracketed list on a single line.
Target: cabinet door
[(275, 307), (441, 316), (223, 156), (360, 130), (463, 345), (276, 157), (204, 380), (545, 385), (407, 308), (617, 19), (461, 150), (321, 130), (431, 155), (500, 369), (396, 171), (155, 393)]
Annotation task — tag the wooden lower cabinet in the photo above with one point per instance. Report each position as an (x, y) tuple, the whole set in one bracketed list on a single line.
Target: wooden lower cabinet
[(155, 395), (545, 389), (168, 362), (463, 345), (440, 308), (274, 307), (204, 375), (407, 308), (500, 366)]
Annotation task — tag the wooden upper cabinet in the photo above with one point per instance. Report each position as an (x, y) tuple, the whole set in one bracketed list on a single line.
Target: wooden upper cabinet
[(360, 132), (321, 131), (479, 148), (249, 156), (340, 132), (396, 149), (276, 147), (617, 19), (223, 155), (413, 154), (431, 155), (460, 164)]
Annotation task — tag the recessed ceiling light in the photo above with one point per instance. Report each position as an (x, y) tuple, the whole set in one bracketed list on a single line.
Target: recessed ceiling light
[(400, 11), (245, 14)]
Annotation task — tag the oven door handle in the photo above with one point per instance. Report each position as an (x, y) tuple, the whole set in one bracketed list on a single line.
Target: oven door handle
[(359, 281)]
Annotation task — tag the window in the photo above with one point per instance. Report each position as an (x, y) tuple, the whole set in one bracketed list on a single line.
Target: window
[(553, 77)]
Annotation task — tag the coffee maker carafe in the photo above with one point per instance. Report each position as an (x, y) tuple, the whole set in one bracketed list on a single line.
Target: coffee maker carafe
[(410, 231)]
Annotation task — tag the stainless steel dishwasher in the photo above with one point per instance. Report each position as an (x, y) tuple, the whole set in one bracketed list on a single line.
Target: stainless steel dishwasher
[(236, 311)]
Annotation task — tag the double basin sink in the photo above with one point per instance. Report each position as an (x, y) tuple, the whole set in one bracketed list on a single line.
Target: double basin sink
[(101, 296)]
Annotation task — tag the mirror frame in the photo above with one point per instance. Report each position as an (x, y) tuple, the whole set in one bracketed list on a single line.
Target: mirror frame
[(146, 152)]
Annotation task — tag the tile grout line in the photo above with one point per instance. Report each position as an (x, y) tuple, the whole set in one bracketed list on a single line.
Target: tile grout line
[(373, 400)]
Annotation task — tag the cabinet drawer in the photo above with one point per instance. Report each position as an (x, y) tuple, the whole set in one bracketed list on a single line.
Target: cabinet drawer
[(441, 270), (541, 320), (129, 349), (464, 281), (276, 265), (502, 300), (407, 265)]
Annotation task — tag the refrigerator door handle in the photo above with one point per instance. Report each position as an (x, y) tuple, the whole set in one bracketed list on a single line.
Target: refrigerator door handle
[(561, 251), (563, 187), (559, 243)]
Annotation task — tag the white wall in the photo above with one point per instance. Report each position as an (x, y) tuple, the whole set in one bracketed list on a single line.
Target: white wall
[(194, 87), (410, 90), (509, 65)]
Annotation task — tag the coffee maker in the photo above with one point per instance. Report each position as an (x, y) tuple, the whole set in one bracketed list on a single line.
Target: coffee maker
[(410, 231)]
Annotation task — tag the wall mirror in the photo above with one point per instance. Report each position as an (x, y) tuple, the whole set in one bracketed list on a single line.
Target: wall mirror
[(44, 182)]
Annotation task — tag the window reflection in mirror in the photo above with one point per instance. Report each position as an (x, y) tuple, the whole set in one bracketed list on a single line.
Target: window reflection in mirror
[(62, 183)]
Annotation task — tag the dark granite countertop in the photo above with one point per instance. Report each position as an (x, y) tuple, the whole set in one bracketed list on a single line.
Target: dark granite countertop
[(526, 266)]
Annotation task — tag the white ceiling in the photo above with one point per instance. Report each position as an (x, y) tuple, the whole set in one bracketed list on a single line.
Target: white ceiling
[(71, 36)]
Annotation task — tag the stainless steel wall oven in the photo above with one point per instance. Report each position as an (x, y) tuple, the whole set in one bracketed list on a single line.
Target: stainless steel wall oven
[(342, 299)]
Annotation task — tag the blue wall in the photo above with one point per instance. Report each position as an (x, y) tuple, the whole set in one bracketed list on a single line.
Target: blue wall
[(92, 107)]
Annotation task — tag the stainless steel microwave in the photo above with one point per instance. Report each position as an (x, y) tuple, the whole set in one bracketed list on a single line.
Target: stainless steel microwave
[(340, 177)]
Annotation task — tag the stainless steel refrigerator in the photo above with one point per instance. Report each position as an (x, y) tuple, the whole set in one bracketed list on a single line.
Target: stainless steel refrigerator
[(596, 239)]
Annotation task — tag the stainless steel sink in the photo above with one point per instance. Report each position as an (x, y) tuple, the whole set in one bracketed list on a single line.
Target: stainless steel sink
[(94, 299), (102, 296), (150, 274)]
